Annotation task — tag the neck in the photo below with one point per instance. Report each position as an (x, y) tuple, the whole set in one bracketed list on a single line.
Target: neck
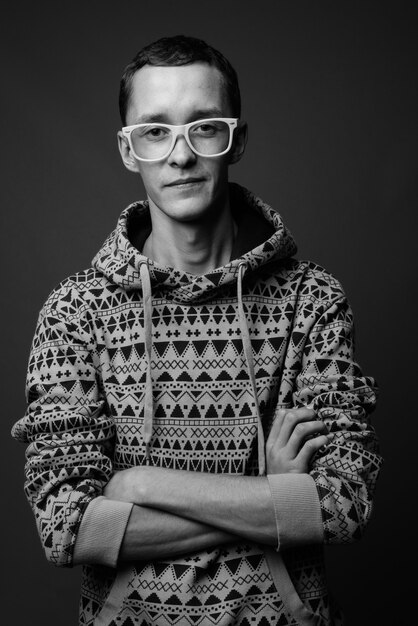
[(196, 247)]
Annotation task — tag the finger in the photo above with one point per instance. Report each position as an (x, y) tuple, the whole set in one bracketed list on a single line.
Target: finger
[(290, 420), (310, 448), (302, 432), (279, 418), (275, 427)]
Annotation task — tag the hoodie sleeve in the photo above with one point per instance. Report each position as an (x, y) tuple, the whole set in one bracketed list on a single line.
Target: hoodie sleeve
[(70, 437), (332, 384), (345, 471)]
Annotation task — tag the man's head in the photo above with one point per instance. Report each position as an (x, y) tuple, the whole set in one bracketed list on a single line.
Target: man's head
[(178, 81), (176, 51)]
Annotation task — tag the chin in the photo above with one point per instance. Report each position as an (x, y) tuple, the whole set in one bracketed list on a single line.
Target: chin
[(188, 208), (187, 211)]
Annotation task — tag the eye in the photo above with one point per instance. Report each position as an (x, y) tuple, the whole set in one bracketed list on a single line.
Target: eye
[(206, 128), (151, 132), (156, 132)]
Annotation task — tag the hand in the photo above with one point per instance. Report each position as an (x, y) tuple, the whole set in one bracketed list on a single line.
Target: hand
[(294, 438)]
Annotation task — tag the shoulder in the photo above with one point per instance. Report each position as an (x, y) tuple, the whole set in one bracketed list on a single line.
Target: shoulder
[(320, 281), (79, 292), (304, 279)]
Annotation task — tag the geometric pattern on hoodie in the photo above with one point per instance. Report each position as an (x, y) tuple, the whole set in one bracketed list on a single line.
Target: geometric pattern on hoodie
[(85, 390)]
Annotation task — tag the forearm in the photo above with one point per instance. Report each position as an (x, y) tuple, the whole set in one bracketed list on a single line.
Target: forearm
[(240, 505), (152, 534)]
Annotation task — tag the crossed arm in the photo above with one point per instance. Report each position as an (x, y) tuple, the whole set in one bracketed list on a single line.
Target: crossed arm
[(177, 512)]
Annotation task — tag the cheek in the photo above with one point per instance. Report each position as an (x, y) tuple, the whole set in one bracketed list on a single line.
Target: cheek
[(150, 176), (219, 171)]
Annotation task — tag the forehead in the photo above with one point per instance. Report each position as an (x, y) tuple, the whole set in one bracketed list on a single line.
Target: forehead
[(176, 93)]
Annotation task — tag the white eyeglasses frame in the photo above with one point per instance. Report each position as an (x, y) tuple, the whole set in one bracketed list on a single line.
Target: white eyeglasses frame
[(183, 130)]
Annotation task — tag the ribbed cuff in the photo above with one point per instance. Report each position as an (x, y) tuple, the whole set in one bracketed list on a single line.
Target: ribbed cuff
[(297, 509), (101, 532)]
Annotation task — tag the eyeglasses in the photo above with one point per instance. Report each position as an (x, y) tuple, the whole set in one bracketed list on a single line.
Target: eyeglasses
[(154, 142)]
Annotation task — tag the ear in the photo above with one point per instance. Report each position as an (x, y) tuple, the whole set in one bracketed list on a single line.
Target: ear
[(239, 142), (128, 158)]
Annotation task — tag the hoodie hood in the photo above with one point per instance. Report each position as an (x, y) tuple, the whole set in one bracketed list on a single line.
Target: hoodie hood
[(261, 237)]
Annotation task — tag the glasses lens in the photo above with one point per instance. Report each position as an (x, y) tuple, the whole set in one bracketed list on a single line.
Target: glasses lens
[(151, 141), (209, 136)]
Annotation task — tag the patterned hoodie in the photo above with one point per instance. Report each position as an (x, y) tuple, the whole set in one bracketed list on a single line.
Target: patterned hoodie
[(133, 362)]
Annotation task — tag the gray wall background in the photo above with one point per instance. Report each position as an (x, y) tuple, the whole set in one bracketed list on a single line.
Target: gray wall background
[(329, 92)]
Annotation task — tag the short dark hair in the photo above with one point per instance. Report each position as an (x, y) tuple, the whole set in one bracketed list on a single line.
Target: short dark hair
[(174, 51)]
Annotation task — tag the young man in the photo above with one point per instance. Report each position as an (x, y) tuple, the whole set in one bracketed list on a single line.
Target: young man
[(198, 427)]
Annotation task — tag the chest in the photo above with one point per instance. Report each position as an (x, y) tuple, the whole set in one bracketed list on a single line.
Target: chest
[(204, 409)]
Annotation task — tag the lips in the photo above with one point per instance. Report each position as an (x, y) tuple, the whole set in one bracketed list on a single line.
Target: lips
[(184, 181)]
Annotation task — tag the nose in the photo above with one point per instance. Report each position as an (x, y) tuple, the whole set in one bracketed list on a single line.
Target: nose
[(181, 155)]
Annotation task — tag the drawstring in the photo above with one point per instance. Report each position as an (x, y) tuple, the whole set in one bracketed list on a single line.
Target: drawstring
[(246, 343), (148, 408)]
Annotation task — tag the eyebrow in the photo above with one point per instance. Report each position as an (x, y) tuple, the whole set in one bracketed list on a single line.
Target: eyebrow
[(163, 118)]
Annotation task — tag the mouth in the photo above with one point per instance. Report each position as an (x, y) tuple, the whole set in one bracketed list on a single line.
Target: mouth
[(183, 183)]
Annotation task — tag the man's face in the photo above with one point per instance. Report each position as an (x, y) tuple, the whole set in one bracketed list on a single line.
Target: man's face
[(178, 95)]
